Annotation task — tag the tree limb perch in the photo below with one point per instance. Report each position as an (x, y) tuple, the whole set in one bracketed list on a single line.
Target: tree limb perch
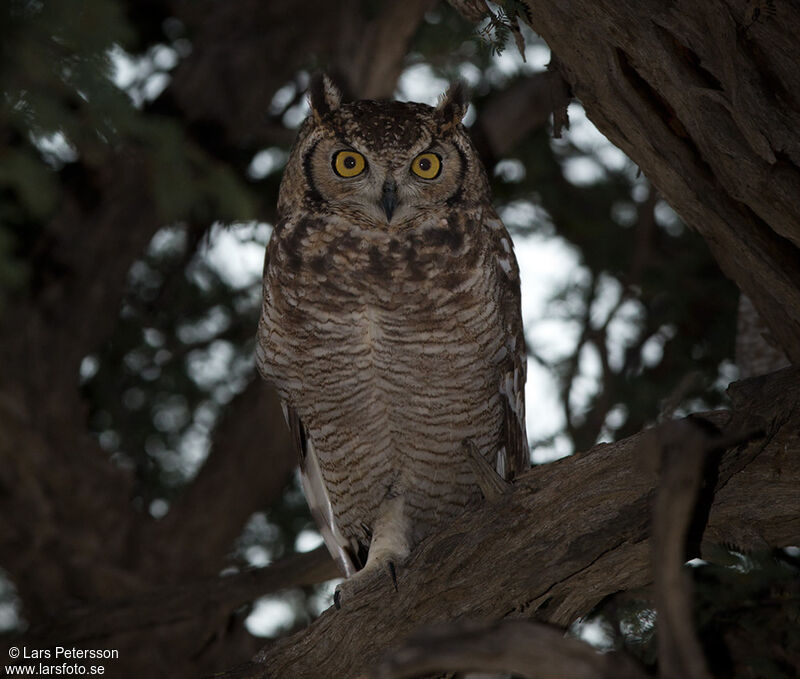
[(568, 534)]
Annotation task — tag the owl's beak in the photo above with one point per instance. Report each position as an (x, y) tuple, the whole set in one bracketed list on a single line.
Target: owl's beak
[(389, 199)]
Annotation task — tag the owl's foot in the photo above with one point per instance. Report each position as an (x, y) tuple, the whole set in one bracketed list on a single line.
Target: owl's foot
[(390, 546), (349, 589)]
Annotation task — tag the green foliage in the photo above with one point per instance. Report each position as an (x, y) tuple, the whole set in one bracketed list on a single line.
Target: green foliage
[(500, 25), (182, 349), (52, 61), (444, 34), (187, 183), (60, 107), (55, 71)]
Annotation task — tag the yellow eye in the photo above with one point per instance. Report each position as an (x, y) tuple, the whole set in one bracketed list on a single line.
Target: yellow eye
[(427, 165), (348, 163)]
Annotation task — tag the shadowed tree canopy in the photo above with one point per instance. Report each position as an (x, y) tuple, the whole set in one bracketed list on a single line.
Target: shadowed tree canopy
[(148, 499)]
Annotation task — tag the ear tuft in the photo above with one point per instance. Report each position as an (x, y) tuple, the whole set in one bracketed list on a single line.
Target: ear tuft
[(323, 96), (453, 104)]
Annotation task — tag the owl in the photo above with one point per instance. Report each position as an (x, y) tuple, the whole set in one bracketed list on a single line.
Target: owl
[(391, 324)]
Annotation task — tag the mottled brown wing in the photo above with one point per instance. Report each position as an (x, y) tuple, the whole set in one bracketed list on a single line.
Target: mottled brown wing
[(317, 495), (310, 474), (514, 367)]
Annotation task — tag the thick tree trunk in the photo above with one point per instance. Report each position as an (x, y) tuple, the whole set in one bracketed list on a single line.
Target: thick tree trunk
[(703, 96)]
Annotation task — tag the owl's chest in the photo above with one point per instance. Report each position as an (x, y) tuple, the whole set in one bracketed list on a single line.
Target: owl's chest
[(341, 267), (340, 300)]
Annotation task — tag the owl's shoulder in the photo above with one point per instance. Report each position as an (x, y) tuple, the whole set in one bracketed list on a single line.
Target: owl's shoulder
[(302, 240)]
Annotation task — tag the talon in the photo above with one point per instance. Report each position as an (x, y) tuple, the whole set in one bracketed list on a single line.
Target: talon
[(337, 599)]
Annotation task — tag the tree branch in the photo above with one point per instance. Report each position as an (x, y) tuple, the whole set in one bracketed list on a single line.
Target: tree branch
[(527, 649), (382, 47), (683, 447), (568, 534), (177, 603)]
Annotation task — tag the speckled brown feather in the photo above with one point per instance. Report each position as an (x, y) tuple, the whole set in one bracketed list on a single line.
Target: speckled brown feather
[(391, 341)]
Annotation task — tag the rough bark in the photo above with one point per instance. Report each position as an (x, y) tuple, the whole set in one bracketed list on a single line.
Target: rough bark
[(527, 649), (575, 531), (755, 353), (703, 97)]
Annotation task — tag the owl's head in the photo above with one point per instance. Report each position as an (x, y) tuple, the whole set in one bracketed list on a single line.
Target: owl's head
[(382, 163)]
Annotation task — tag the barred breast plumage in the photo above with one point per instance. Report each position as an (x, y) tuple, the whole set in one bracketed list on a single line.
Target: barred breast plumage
[(391, 324)]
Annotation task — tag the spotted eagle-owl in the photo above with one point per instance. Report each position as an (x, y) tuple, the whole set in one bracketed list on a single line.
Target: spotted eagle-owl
[(391, 323)]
